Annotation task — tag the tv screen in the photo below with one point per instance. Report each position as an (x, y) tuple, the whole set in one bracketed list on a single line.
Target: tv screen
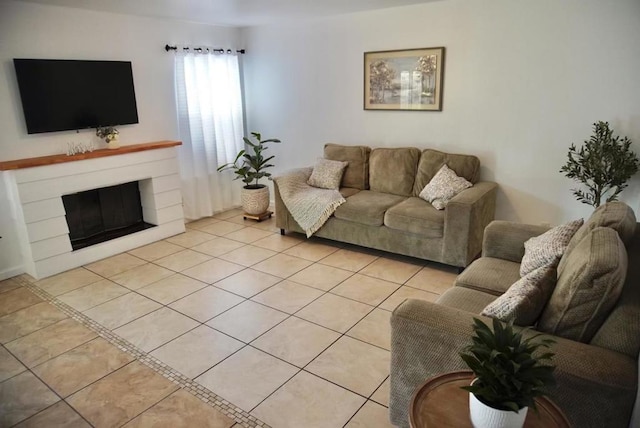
[(61, 95)]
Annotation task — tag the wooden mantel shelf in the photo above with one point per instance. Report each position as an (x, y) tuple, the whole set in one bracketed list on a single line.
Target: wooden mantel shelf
[(62, 158)]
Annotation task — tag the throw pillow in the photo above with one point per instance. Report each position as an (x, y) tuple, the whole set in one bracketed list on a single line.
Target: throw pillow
[(547, 249), (524, 301), (443, 187), (327, 174)]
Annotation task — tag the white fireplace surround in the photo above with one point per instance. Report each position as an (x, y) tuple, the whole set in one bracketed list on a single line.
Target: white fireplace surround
[(35, 195)]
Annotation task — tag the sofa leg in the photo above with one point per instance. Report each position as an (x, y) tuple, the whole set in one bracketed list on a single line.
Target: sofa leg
[(282, 232)]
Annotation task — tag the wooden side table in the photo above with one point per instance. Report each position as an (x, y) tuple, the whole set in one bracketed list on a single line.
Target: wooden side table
[(440, 402)]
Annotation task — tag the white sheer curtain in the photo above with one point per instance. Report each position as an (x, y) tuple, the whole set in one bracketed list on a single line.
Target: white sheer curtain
[(209, 103)]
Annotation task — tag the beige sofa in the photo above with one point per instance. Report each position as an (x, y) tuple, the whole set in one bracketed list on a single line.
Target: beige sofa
[(596, 351), (383, 210)]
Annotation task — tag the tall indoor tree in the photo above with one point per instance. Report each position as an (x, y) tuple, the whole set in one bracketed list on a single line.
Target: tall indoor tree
[(603, 164)]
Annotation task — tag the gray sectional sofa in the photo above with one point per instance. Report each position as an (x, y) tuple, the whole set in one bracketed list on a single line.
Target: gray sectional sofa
[(596, 349), (383, 210)]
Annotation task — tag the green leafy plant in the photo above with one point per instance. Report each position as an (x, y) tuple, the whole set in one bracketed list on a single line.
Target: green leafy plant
[(250, 166), (108, 133), (508, 375), (603, 164)]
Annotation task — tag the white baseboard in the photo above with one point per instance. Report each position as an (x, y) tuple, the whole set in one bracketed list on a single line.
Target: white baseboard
[(11, 272)]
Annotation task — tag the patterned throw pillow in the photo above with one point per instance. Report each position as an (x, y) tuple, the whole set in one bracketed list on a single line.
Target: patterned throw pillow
[(524, 301), (547, 249), (327, 174), (443, 187)]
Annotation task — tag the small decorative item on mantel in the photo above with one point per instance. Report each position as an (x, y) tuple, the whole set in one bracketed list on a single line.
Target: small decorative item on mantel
[(250, 167), (508, 376), (79, 148), (110, 135)]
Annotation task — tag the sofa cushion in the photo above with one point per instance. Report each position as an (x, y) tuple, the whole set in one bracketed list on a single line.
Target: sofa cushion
[(465, 299), (489, 275), (432, 160), (548, 248), (327, 174), (417, 216), (356, 174), (524, 301), (443, 187), (367, 207), (588, 287), (616, 215), (621, 330), (348, 191), (393, 170)]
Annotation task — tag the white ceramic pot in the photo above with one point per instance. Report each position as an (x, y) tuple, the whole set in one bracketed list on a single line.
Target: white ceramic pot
[(255, 201), (483, 416), (113, 143)]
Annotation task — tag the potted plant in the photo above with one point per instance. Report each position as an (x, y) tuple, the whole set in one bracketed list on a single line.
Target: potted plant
[(508, 375), (110, 135), (604, 164), (250, 165)]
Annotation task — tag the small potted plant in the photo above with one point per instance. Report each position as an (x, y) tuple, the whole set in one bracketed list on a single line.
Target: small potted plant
[(250, 166), (110, 135), (508, 375), (603, 164)]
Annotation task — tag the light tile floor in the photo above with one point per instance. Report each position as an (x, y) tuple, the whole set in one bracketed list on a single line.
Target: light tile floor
[(293, 332)]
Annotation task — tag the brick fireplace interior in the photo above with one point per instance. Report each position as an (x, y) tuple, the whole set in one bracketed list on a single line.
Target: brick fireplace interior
[(99, 215)]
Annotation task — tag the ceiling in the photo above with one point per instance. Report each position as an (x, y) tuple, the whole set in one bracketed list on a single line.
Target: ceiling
[(232, 12)]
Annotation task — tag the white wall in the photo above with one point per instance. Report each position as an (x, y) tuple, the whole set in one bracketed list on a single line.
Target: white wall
[(36, 31), (523, 80)]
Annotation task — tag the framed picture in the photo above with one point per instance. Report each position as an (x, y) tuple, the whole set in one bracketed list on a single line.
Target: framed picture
[(409, 79)]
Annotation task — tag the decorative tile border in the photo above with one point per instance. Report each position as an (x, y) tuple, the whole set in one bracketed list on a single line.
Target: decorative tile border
[(237, 414)]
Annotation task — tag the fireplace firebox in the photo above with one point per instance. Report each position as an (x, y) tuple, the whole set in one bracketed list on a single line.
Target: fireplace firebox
[(99, 215)]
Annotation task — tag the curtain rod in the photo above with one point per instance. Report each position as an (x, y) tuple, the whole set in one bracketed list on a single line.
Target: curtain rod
[(186, 48)]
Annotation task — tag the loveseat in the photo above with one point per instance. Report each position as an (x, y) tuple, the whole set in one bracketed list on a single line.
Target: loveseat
[(596, 350), (383, 210)]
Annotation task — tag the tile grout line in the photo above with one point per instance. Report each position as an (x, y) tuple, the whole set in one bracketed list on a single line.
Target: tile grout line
[(199, 388), (53, 391), (234, 412)]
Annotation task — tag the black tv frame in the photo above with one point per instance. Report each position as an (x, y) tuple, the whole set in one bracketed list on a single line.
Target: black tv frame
[(64, 95)]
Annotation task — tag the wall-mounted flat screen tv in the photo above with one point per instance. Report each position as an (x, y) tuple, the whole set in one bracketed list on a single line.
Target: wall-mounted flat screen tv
[(61, 95)]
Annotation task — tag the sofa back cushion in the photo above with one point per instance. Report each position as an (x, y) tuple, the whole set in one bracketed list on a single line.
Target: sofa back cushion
[(589, 284), (356, 175), (616, 215), (393, 170), (431, 161), (621, 330)]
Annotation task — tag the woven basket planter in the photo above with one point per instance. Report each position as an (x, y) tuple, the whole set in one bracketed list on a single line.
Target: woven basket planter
[(255, 201)]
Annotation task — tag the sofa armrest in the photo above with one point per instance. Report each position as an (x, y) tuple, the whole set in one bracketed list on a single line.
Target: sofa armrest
[(595, 386), (465, 218), (505, 239)]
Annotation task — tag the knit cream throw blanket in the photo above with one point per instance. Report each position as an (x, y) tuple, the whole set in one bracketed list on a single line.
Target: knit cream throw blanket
[(310, 206)]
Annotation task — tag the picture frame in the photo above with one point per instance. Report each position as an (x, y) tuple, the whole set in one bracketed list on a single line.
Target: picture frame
[(408, 79)]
